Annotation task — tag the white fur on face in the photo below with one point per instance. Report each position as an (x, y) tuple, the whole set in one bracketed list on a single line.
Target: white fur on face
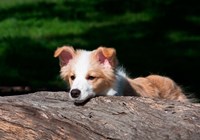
[(81, 67)]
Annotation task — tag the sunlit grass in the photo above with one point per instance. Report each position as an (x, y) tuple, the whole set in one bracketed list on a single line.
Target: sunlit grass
[(133, 17), (6, 4), (41, 28), (34, 28)]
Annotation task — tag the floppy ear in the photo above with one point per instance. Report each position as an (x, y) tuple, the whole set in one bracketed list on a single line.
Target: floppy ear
[(107, 57), (65, 54)]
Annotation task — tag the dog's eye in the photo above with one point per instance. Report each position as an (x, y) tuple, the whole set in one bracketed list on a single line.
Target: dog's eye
[(72, 77), (91, 78)]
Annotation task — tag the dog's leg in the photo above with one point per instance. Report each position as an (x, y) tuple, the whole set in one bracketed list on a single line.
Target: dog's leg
[(156, 86)]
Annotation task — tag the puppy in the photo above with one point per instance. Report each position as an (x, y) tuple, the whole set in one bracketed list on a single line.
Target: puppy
[(96, 73)]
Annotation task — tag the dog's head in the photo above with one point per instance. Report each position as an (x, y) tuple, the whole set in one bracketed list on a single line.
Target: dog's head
[(89, 73)]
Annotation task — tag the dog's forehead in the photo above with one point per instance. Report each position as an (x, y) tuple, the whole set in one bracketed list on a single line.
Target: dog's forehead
[(82, 63)]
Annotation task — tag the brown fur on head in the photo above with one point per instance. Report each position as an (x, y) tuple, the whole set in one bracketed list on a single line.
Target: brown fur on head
[(109, 54), (100, 63), (65, 54), (104, 62)]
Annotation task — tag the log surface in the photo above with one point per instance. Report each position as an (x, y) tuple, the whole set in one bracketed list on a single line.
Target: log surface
[(52, 116)]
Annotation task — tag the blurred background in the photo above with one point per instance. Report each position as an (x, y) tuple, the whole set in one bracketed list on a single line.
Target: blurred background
[(150, 36)]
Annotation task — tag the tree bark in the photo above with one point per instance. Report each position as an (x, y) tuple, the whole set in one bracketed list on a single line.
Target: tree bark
[(51, 115)]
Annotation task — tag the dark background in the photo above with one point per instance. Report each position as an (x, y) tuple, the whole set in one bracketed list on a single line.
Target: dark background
[(150, 36)]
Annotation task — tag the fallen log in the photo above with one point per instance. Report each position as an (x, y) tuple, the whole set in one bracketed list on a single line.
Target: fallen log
[(52, 116)]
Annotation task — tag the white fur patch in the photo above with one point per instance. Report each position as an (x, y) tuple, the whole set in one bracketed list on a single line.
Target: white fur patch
[(118, 87), (81, 68)]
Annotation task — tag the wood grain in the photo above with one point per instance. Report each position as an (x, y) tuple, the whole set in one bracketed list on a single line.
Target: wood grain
[(52, 116)]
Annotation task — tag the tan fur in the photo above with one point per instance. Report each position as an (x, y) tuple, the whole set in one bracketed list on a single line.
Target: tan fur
[(156, 86), (168, 89), (104, 77), (64, 48), (153, 86), (59, 52), (109, 53)]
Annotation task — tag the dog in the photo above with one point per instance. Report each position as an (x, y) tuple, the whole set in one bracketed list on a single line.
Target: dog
[(96, 73)]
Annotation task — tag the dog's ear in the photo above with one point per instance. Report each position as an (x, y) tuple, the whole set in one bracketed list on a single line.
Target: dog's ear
[(65, 54), (106, 56)]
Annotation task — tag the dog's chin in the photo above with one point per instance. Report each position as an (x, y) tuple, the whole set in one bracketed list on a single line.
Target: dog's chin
[(82, 101)]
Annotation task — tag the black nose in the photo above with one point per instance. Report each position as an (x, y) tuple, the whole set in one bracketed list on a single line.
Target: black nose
[(75, 93)]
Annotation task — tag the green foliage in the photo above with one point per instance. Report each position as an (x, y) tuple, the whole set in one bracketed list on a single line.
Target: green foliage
[(150, 36)]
